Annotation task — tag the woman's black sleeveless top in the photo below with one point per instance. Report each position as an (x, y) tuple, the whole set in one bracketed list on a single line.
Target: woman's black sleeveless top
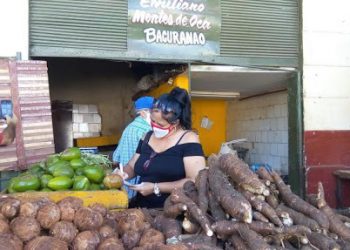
[(166, 166)]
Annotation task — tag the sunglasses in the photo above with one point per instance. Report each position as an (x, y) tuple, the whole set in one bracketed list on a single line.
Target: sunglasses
[(146, 164)]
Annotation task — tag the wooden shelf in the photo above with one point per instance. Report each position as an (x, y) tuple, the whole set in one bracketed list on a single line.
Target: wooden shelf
[(105, 140)]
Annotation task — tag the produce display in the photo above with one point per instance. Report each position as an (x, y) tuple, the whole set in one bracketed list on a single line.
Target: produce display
[(69, 170), (231, 207), (223, 209)]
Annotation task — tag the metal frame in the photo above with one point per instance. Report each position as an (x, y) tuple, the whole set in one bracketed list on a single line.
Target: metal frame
[(296, 156), (38, 51)]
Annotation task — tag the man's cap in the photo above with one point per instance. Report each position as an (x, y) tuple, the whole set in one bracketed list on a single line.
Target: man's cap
[(145, 102)]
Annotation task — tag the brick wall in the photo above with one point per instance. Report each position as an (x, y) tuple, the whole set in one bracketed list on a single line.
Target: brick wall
[(264, 122)]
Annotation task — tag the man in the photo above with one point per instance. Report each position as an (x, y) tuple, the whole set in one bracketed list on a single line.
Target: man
[(132, 134), (7, 136)]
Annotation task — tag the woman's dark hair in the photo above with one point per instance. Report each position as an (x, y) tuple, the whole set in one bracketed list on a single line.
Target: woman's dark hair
[(176, 106)]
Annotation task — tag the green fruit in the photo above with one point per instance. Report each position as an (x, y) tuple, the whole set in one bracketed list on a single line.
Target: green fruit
[(36, 169), (70, 154), (94, 187), (45, 180), (38, 173), (113, 181), (46, 190), (60, 163), (60, 183), (63, 171), (95, 174), (51, 159), (77, 163), (81, 183), (79, 171), (25, 183), (10, 189)]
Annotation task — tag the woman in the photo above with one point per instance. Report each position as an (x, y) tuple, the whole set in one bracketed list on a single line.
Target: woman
[(170, 154)]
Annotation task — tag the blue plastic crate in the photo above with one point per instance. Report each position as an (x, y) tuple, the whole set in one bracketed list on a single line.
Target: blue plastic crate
[(255, 166), (5, 108), (90, 150)]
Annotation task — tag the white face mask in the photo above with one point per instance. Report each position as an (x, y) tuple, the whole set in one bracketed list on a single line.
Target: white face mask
[(148, 118), (160, 132)]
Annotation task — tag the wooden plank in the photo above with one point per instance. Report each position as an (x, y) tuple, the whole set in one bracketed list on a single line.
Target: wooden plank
[(97, 141), (17, 112), (39, 151), (37, 124), (26, 84), (40, 144), (36, 100), (31, 115), (8, 166), (28, 132), (112, 199), (8, 148), (37, 138)]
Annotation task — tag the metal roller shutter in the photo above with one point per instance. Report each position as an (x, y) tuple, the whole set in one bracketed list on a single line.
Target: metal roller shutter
[(253, 32), (260, 29), (95, 25)]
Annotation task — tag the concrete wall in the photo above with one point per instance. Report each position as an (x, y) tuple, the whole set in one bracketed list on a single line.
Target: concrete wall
[(14, 20), (326, 32), (105, 84), (264, 122)]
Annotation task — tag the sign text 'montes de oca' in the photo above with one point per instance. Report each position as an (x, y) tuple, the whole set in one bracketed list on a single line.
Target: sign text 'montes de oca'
[(167, 27)]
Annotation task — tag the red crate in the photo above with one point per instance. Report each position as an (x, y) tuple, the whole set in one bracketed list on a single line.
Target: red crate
[(26, 84)]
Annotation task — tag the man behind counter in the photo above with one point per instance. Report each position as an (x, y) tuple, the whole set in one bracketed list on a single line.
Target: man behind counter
[(132, 134), (7, 136)]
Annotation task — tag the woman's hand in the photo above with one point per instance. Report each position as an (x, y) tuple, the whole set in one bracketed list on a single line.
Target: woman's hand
[(145, 189), (123, 175)]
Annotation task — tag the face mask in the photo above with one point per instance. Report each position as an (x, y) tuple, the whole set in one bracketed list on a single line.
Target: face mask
[(160, 132), (148, 118)]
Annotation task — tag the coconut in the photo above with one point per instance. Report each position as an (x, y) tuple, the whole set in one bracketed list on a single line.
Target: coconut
[(88, 219), (98, 207), (2, 217), (26, 228), (72, 202), (43, 202), (64, 230), (130, 220), (10, 208), (111, 243), (161, 246), (151, 236), (108, 220), (69, 206), (131, 239), (87, 240), (4, 227), (46, 242), (28, 209), (67, 213), (10, 241), (106, 232), (48, 215)]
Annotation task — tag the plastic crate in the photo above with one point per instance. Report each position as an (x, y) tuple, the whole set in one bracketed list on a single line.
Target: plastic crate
[(90, 150), (241, 152)]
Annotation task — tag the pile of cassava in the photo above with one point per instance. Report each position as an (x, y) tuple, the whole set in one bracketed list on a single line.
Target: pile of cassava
[(228, 207)]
